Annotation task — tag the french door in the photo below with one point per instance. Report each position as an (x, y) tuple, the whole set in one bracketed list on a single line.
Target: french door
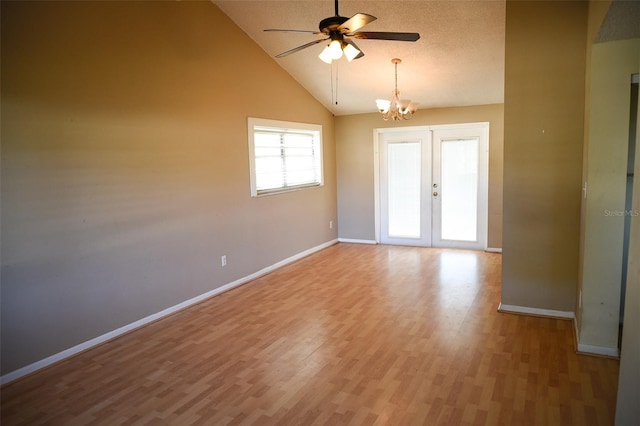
[(405, 159), (432, 183)]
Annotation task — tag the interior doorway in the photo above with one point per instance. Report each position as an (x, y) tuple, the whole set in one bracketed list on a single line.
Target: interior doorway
[(629, 213), (432, 185)]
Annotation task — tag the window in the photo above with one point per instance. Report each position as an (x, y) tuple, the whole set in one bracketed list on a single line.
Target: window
[(284, 156)]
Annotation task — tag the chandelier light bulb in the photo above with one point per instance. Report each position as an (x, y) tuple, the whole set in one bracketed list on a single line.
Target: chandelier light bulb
[(383, 105)]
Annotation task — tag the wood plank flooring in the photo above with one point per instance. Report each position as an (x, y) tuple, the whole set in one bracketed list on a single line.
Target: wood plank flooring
[(351, 335)]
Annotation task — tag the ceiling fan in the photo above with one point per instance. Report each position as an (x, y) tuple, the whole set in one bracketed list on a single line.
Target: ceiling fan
[(340, 30)]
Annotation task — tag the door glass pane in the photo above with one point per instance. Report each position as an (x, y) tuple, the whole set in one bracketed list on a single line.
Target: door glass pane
[(404, 189), (459, 189)]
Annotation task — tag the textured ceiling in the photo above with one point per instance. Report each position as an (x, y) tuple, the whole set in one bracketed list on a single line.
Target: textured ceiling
[(459, 59), (622, 21)]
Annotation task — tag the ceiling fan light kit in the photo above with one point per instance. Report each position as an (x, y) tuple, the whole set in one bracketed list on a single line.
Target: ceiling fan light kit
[(332, 52), (396, 109), (336, 49)]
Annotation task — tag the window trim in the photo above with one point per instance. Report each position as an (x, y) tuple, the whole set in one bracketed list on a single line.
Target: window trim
[(282, 126)]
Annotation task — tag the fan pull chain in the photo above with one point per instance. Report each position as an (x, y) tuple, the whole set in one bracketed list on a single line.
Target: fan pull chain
[(331, 76), (337, 82), (334, 88)]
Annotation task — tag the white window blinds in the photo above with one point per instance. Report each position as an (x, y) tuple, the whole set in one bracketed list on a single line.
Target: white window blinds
[(284, 156)]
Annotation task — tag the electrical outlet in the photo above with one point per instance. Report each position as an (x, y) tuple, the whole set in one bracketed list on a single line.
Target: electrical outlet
[(223, 261), (330, 224)]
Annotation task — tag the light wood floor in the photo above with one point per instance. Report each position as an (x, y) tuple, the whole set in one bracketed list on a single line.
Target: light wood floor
[(353, 334)]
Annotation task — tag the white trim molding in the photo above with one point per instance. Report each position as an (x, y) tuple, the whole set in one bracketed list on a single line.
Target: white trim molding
[(513, 309), (576, 333), (493, 250), (598, 350), (67, 353), (356, 241)]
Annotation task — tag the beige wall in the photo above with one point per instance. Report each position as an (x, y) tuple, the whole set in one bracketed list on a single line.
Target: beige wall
[(607, 144), (125, 170), (543, 138), (354, 138)]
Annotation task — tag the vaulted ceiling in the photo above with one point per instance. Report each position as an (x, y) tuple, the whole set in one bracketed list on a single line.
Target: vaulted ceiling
[(458, 60)]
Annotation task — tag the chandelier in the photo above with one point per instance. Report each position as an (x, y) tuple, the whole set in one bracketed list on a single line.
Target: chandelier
[(396, 109)]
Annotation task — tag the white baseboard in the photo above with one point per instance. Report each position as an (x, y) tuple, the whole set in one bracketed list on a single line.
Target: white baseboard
[(535, 311), (598, 350), (590, 349), (494, 249), (32, 368), (351, 240)]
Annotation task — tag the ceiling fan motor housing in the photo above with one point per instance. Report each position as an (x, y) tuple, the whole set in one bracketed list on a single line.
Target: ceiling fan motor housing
[(332, 23)]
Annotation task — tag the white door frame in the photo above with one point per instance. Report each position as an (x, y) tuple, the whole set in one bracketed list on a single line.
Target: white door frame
[(430, 128)]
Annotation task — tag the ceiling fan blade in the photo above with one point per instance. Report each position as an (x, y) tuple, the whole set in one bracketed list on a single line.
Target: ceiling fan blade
[(292, 31), (385, 36), (297, 49), (356, 22)]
